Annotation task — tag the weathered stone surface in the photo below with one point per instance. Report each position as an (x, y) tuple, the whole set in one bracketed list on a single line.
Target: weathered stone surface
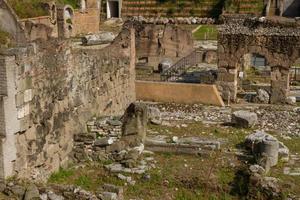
[(268, 152), (114, 189), (291, 100), (64, 86), (109, 196), (135, 124), (102, 142), (53, 196), (262, 96), (32, 193), (266, 148), (244, 119), (154, 115), (100, 38), (16, 190)]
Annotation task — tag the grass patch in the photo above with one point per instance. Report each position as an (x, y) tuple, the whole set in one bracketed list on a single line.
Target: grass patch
[(206, 32), (35, 8), (61, 176), (84, 182)]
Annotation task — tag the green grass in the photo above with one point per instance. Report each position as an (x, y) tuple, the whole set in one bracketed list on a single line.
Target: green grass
[(61, 176), (206, 32), (84, 182), (34, 8)]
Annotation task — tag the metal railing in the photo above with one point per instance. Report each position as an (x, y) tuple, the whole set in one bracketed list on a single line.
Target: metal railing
[(295, 74), (180, 67)]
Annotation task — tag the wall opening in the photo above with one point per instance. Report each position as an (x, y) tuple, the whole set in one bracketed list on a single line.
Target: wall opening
[(295, 73), (253, 74), (113, 9)]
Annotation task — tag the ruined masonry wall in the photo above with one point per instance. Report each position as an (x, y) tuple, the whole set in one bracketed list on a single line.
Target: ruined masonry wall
[(59, 88)]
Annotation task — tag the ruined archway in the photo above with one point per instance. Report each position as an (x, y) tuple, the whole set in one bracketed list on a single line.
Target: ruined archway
[(295, 73), (277, 40), (254, 73)]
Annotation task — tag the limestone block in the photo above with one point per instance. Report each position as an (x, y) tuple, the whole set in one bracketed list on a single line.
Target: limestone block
[(21, 112), (19, 99), (244, 119), (32, 193), (30, 134), (103, 142), (28, 95)]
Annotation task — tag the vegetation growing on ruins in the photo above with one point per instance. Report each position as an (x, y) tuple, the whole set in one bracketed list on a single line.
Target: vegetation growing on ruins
[(4, 38), (34, 8)]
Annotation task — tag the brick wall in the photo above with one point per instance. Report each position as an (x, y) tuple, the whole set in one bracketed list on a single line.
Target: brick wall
[(59, 87)]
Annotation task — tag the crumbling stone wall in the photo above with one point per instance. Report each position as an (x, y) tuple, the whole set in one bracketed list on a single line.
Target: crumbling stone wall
[(9, 22), (58, 87), (156, 42), (278, 40)]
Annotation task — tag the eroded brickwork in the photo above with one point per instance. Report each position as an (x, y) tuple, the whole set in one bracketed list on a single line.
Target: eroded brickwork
[(59, 87)]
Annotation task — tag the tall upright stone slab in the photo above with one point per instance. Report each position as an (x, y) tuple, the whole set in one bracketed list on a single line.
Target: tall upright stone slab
[(135, 124)]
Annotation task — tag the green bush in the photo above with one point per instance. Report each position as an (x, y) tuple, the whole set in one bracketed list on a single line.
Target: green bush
[(4, 37)]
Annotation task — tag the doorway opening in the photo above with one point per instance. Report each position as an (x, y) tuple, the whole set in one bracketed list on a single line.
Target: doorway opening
[(113, 9)]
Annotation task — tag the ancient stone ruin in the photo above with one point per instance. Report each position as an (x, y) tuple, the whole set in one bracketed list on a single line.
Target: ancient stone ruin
[(114, 100)]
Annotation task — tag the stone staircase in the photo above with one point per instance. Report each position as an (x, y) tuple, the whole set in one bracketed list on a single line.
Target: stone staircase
[(179, 68)]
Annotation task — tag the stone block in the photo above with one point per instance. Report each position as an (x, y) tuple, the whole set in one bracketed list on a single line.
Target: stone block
[(244, 119), (28, 95), (19, 99)]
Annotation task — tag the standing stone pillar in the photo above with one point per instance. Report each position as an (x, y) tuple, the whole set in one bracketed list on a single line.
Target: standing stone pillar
[(279, 85), (227, 83), (135, 124)]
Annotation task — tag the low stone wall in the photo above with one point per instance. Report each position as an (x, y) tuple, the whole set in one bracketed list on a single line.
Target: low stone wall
[(178, 93), (174, 20), (53, 89)]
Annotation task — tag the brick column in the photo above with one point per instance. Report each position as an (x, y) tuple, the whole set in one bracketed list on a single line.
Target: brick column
[(279, 85)]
